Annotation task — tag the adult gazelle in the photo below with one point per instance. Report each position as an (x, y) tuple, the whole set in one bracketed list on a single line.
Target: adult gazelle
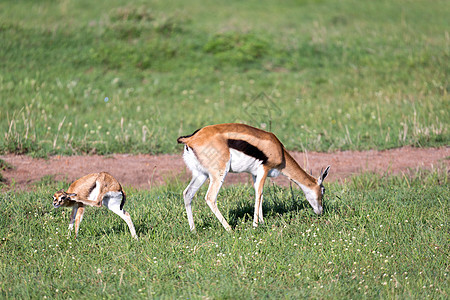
[(213, 151)]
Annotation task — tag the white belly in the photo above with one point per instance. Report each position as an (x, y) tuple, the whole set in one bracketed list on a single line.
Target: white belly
[(240, 162)]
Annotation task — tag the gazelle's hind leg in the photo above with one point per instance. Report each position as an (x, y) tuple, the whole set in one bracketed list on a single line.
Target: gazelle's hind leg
[(112, 201), (215, 163), (258, 181), (196, 182), (215, 183)]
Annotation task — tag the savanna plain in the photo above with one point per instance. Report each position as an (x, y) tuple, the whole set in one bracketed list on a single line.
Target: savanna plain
[(83, 77)]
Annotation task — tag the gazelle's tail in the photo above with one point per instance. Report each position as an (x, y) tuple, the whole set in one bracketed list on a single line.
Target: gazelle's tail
[(124, 198), (185, 138)]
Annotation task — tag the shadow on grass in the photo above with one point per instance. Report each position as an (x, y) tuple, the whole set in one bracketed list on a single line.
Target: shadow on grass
[(276, 203), (122, 229)]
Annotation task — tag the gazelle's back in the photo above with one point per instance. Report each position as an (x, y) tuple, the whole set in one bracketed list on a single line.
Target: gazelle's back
[(253, 141), (102, 181)]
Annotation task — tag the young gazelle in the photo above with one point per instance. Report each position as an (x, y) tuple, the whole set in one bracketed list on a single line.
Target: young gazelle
[(95, 189), (214, 150)]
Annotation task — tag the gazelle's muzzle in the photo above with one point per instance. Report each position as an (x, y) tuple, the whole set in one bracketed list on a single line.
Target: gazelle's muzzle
[(57, 202), (318, 210)]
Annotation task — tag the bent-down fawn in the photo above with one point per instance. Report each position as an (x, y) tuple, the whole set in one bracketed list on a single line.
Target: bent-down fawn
[(95, 189)]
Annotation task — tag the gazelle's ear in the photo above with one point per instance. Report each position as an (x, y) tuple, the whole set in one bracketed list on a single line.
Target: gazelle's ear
[(71, 195), (323, 175)]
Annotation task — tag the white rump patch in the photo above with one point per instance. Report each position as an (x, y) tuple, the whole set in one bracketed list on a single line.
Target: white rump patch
[(112, 201), (114, 195), (192, 162)]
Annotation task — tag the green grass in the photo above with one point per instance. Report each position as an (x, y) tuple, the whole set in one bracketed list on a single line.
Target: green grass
[(323, 75), (379, 237)]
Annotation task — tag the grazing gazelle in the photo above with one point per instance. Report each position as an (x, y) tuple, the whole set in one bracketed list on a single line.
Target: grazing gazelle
[(214, 150), (95, 189)]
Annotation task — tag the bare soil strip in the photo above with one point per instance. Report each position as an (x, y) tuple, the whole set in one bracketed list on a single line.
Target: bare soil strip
[(146, 171)]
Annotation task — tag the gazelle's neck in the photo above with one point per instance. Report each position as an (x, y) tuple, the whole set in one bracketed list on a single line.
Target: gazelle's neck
[(295, 173), (306, 182)]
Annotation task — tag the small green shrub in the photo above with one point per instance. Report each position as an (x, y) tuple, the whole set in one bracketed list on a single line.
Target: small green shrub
[(134, 14), (236, 48), (131, 23)]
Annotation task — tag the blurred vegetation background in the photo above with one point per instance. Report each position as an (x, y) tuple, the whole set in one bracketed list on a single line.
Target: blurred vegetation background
[(131, 76)]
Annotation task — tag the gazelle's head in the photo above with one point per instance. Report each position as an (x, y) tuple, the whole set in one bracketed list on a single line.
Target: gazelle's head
[(61, 199), (315, 196)]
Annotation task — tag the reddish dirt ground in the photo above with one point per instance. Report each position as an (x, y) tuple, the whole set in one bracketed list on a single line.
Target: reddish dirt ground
[(144, 171)]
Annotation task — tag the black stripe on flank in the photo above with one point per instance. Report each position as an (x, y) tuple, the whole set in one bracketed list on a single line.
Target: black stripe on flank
[(247, 149), (92, 188), (186, 136)]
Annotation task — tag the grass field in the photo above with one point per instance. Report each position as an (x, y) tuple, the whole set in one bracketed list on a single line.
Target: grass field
[(131, 76), (380, 237)]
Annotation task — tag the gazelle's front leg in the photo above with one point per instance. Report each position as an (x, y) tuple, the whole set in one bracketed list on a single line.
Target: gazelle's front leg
[(258, 181), (197, 181), (78, 218), (72, 217), (89, 202)]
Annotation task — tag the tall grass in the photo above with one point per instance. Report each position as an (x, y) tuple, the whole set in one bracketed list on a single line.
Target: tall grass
[(121, 76), (379, 237)]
